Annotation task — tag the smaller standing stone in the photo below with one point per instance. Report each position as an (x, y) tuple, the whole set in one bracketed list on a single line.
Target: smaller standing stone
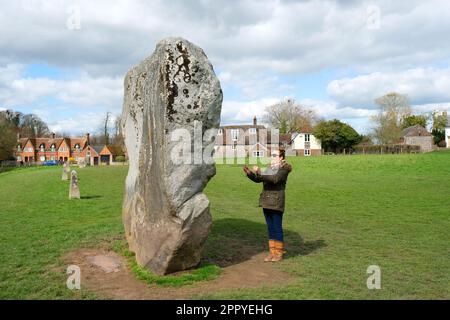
[(66, 171), (74, 192), (81, 163)]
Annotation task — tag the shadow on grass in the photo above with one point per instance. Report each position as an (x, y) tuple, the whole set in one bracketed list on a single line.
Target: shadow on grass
[(232, 241), (90, 197)]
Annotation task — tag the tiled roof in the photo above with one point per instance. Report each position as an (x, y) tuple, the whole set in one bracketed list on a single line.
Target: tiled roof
[(75, 141), (243, 126), (115, 150), (415, 131)]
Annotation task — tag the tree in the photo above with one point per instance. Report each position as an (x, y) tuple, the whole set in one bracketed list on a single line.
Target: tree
[(439, 123), (105, 128), (388, 122), (412, 120), (13, 123), (7, 137), (118, 136), (32, 126), (289, 116), (336, 135)]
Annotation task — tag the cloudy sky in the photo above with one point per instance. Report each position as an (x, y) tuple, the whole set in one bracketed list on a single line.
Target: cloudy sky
[(65, 60)]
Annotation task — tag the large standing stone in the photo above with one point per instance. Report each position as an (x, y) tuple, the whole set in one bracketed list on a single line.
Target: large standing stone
[(74, 191), (165, 213)]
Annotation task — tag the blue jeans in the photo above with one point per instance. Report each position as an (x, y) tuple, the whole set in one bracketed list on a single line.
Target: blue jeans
[(274, 220)]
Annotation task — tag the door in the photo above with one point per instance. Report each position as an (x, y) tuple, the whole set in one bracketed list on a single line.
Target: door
[(105, 159)]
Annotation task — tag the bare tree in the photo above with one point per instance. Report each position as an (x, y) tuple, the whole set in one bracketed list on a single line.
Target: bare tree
[(118, 136), (388, 122), (289, 116), (105, 128)]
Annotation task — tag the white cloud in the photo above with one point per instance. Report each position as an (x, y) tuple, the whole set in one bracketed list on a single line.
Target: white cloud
[(79, 124), (253, 44), (239, 111), (83, 92), (247, 36), (421, 85), (331, 110)]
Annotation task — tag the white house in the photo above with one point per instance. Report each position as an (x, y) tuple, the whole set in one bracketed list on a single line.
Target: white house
[(306, 144)]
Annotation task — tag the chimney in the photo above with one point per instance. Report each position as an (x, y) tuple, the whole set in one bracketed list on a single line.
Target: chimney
[(254, 121), (53, 135), (18, 136), (88, 142)]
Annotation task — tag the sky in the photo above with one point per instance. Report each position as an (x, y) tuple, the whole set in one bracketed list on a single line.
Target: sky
[(65, 60)]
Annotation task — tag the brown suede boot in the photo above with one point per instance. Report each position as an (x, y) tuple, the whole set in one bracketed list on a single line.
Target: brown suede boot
[(278, 252), (271, 251)]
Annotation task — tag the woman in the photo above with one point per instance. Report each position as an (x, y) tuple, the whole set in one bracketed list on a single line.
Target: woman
[(272, 200)]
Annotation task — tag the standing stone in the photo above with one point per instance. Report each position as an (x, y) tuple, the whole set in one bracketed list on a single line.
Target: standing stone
[(74, 191), (165, 213), (66, 171), (81, 163)]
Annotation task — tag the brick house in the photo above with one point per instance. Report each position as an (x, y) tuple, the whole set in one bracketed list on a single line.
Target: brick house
[(252, 140), (256, 140), (38, 150), (108, 154), (418, 135)]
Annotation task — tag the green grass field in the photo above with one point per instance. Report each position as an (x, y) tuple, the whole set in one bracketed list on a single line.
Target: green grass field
[(343, 213)]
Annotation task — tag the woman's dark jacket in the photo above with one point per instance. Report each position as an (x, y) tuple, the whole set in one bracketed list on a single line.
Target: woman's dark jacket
[(274, 183)]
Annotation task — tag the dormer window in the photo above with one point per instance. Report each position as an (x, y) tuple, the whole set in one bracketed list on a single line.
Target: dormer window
[(53, 147), (252, 131), (307, 137), (42, 147), (19, 148), (234, 134), (77, 147)]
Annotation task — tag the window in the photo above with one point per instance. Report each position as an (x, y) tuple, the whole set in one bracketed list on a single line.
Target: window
[(307, 137), (252, 131), (234, 134), (307, 152), (42, 147), (29, 149), (19, 148), (77, 147), (220, 132), (19, 158), (53, 147), (258, 153), (233, 146), (42, 158)]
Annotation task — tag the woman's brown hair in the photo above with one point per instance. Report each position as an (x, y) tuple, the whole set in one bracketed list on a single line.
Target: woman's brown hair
[(282, 153)]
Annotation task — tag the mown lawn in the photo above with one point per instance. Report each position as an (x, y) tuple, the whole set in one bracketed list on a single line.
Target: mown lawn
[(343, 213)]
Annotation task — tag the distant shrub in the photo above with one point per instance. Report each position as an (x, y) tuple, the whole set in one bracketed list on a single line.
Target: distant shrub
[(387, 148), (120, 159)]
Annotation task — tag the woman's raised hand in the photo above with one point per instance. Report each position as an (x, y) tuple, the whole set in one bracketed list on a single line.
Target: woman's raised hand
[(246, 169), (256, 169)]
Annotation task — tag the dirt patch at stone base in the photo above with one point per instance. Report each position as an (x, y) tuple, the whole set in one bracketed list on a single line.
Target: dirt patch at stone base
[(122, 284)]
